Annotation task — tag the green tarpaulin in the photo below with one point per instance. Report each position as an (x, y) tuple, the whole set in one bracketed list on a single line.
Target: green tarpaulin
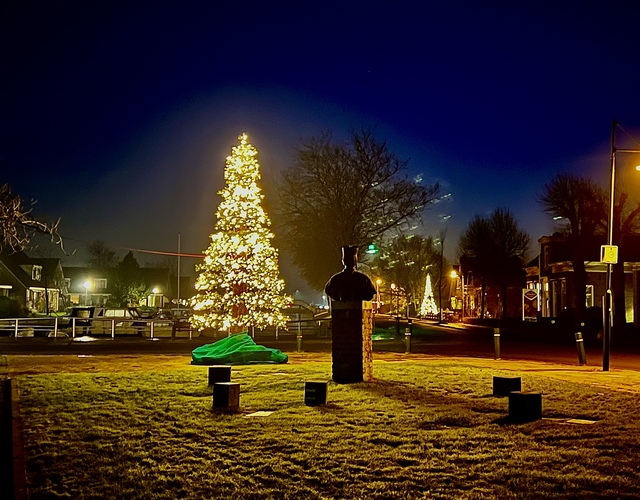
[(238, 349)]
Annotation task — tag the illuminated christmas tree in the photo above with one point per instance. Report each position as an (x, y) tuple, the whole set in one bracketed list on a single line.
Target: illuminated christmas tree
[(238, 285), (428, 302)]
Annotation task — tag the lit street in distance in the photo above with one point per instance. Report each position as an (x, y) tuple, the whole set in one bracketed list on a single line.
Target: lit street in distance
[(439, 340)]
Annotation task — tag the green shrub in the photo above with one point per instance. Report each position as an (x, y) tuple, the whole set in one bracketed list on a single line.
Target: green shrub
[(11, 308)]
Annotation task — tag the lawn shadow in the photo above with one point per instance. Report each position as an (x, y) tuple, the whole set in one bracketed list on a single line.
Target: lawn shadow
[(328, 406), (405, 392)]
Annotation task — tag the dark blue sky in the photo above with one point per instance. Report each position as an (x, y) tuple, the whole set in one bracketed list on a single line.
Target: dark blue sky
[(118, 118)]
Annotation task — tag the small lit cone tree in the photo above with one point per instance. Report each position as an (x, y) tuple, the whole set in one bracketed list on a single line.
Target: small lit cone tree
[(238, 284), (428, 302)]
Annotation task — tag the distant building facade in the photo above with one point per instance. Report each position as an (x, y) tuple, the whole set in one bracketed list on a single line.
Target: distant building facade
[(37, 284), (511, 283), (553, 277)]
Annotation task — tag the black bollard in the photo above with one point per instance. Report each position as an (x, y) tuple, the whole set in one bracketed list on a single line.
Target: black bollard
[(496, 343), (582, 356), (407, 340)]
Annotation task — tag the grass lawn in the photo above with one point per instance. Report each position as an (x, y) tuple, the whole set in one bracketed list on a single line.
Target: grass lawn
[(425, 428)]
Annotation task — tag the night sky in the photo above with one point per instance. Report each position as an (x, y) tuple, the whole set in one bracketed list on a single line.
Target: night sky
[(118, 118)]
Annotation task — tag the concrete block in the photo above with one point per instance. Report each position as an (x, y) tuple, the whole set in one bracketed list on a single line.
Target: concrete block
[(226, 396), (502, 386), (219, 373), (525, 406), (315, 392)]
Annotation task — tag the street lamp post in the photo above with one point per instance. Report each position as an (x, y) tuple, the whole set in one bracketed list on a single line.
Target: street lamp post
[(397, 295), (393, 289), (155, 292), (87, 286), (463, 297), (608, 300), (455, 275), (378, 282)]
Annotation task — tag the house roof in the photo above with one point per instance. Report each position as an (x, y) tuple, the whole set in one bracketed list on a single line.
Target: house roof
[(13, 264), (534, 262)]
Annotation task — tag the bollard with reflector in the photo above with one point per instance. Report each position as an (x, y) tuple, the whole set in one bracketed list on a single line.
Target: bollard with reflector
[(496, 343), (407, 340), (582, 356)]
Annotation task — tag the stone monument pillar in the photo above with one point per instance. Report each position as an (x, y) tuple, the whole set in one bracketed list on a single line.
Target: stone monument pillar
[(351, 321)]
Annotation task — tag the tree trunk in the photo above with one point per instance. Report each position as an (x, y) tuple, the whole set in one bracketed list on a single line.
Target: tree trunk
[(482, 290)]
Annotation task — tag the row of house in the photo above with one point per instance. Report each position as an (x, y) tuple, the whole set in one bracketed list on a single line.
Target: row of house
[(43, 285), (548, 280)]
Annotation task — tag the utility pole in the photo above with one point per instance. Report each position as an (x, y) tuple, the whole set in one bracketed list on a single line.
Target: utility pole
[(442, 236)]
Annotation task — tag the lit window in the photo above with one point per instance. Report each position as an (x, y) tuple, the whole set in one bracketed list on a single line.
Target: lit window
[(590, 302), (36, 273)]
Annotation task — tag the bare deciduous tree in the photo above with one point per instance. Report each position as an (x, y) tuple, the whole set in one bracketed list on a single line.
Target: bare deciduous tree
[(496, 247), (101, 257), (340, 194), (18, 225)]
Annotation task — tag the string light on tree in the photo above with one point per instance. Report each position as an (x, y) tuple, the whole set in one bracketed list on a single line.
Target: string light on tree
[(428, 306), (238, 284)]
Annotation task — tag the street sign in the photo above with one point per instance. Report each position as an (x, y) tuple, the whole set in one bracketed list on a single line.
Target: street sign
[(609, 254), (530, 304)]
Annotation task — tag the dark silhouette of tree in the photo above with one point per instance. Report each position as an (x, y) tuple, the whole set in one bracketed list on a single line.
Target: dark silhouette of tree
[(18, 225), (101, 257), (129, 289), (343, 193), (474, 249), (581, 205), (496, 249)]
